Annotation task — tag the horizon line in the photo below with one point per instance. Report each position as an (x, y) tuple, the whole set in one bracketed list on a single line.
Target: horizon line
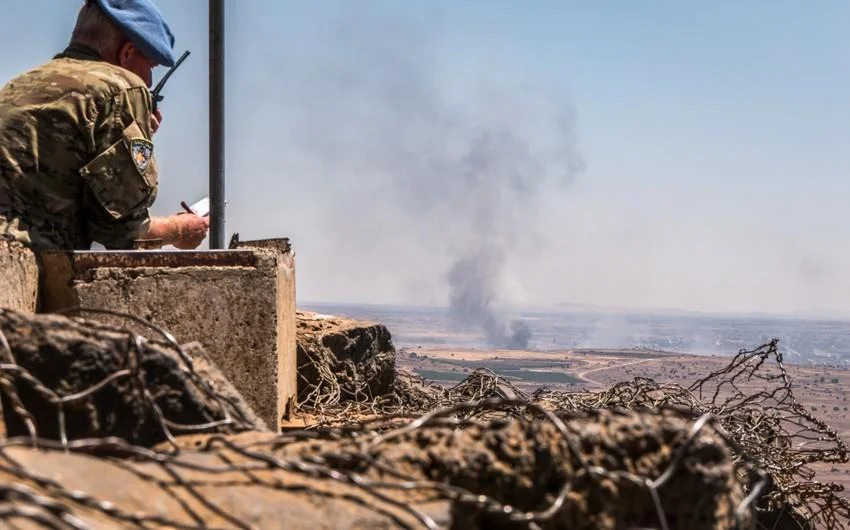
[(803, 315)]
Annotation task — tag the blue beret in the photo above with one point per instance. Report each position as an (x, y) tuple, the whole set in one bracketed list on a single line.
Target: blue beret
[(143, 25)]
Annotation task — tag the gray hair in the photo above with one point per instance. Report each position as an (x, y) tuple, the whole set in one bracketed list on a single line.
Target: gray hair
[(95, 30)]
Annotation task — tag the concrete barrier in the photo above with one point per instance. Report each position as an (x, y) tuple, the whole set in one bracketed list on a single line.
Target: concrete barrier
[(18, 277), (240, 304)]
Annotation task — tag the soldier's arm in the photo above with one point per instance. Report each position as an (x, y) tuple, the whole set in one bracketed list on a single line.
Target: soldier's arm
[(121, 188), (121, 176), (123, 182), (184, 231)]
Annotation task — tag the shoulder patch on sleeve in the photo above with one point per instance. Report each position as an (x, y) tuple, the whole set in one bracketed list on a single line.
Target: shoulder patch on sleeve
[(142, 151), (123, 178)]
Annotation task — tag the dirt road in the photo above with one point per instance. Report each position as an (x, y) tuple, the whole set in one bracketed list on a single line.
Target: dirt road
[(583, 375)]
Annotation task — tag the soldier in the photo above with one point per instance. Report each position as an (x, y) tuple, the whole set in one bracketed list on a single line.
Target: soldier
[(77, 160)]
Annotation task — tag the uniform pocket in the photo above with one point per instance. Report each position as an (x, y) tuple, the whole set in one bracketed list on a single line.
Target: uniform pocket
[(123, 178)]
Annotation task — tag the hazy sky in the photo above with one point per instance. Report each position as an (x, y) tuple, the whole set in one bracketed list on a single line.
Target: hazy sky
[(649, 154)]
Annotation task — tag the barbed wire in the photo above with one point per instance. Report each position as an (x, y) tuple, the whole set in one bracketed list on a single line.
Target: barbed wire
[(13, 376), (773, 440), (751, 400), (753, 403)]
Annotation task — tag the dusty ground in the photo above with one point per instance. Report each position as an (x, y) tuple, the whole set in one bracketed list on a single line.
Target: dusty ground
[(824, 391)]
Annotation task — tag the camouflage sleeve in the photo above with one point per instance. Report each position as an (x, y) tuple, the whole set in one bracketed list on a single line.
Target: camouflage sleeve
[(121, 187)]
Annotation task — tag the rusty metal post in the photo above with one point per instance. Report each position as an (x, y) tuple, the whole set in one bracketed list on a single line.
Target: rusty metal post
[(217, 180)]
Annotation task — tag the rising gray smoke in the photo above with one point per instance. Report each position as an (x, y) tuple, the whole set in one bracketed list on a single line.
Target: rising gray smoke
[(497, 179), (473, 295), (473, 299), (444, 165)]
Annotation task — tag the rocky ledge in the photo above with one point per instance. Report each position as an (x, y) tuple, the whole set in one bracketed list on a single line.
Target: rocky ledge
[(596, 477), (342, 360), (70, 379)]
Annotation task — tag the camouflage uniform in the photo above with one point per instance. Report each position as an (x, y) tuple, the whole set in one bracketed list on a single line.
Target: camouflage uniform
[(76, 158)]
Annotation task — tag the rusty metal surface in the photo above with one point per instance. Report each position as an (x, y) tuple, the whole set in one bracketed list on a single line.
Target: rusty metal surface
[(140, 259), (281, 244), (147, 244)]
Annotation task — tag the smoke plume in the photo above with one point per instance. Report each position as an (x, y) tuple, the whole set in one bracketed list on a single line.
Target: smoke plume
[(498, 180), (473, 296), (443, 164)]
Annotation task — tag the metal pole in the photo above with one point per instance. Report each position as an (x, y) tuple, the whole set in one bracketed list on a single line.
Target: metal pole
[(217, 182)]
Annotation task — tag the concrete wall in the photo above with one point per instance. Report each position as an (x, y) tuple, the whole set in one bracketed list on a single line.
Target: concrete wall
[(286, 325), (18, 277), (240, 304)]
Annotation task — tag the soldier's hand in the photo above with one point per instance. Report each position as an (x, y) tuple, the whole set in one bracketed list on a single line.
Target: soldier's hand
[(156, 120), (191, 230)]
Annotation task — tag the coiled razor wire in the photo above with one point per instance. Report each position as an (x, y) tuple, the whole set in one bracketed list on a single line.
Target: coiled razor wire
[(749, 404)]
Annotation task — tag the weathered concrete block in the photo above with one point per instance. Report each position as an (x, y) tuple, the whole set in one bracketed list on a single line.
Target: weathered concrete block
[(18, 277), (240, 304)]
